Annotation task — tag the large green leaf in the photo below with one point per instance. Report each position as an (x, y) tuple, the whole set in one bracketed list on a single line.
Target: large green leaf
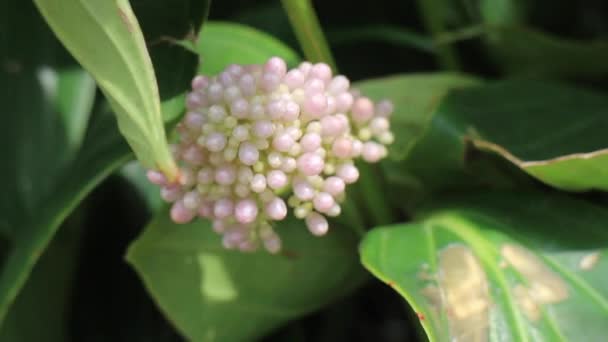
[(500, 267), (212, 294), (552, 131), (221, 44), (105, 37)]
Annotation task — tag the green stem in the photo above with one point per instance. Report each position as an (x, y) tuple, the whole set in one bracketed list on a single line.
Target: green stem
[(369, 196), (372, 193), (430, 10), (306, 26)]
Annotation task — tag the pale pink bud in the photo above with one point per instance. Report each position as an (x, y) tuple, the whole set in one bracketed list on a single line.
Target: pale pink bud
[(248, 153), (334, 185), (338, 85), (310, 164), (215, 142), (194, 101), (288, 165), (348, 173), (305, 68), (170, 193), (245, 174), (321, 71), (272, 244), (276, 179), (181, 214), (276, 65), (240, 133), (331, 126), (314, 86), (225, 175), (215, 92), (276, 209), (258, 183), (294, 79), (232, 93), (263, 129), (193, 155), (270, 81), (247, 84), (310, 142), (156, 177), (192, 200), (282, 142), (373, 152), (323, 202), (223, 208), (357, 147), (303, 190), (205, 210), (246, 211), (342, 147), (379, 125), (292, 111), (194, 120), (187, 177), (200, 82), (276, 109), (334, 211), (239, 108), (315, 105), (235, 69), (317, 224), (363, 109), (344, 102), (219, 226), (226, 78)]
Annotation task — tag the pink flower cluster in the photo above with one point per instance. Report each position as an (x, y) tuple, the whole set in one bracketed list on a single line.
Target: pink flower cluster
[(258, 133)]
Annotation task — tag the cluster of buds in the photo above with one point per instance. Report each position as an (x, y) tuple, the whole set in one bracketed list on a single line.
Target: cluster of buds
[(256, 134)]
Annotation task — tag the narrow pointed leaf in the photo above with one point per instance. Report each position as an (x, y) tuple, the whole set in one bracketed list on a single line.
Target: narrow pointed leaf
[(105, 37)]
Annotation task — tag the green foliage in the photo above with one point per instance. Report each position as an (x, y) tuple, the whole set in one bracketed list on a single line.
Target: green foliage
[(211, 293), (488, 218), (539, 133), (112, 48), (221, 44)]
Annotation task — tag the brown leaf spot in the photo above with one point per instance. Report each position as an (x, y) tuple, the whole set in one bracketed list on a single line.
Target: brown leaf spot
[(125, 19)]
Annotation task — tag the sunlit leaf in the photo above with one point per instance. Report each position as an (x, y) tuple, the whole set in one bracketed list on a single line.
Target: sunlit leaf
[(500, 267)]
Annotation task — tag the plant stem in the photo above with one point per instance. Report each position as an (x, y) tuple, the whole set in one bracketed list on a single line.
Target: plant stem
[(369, 196), (306, 26), (430, 10)]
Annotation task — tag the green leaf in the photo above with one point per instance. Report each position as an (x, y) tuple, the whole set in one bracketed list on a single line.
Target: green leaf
[(104, 36), (212, 294), (552, 131), (414, 96), (46, 182), (221, 44), (307, 28), (500, 267), (42, 309), (527, 52)]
